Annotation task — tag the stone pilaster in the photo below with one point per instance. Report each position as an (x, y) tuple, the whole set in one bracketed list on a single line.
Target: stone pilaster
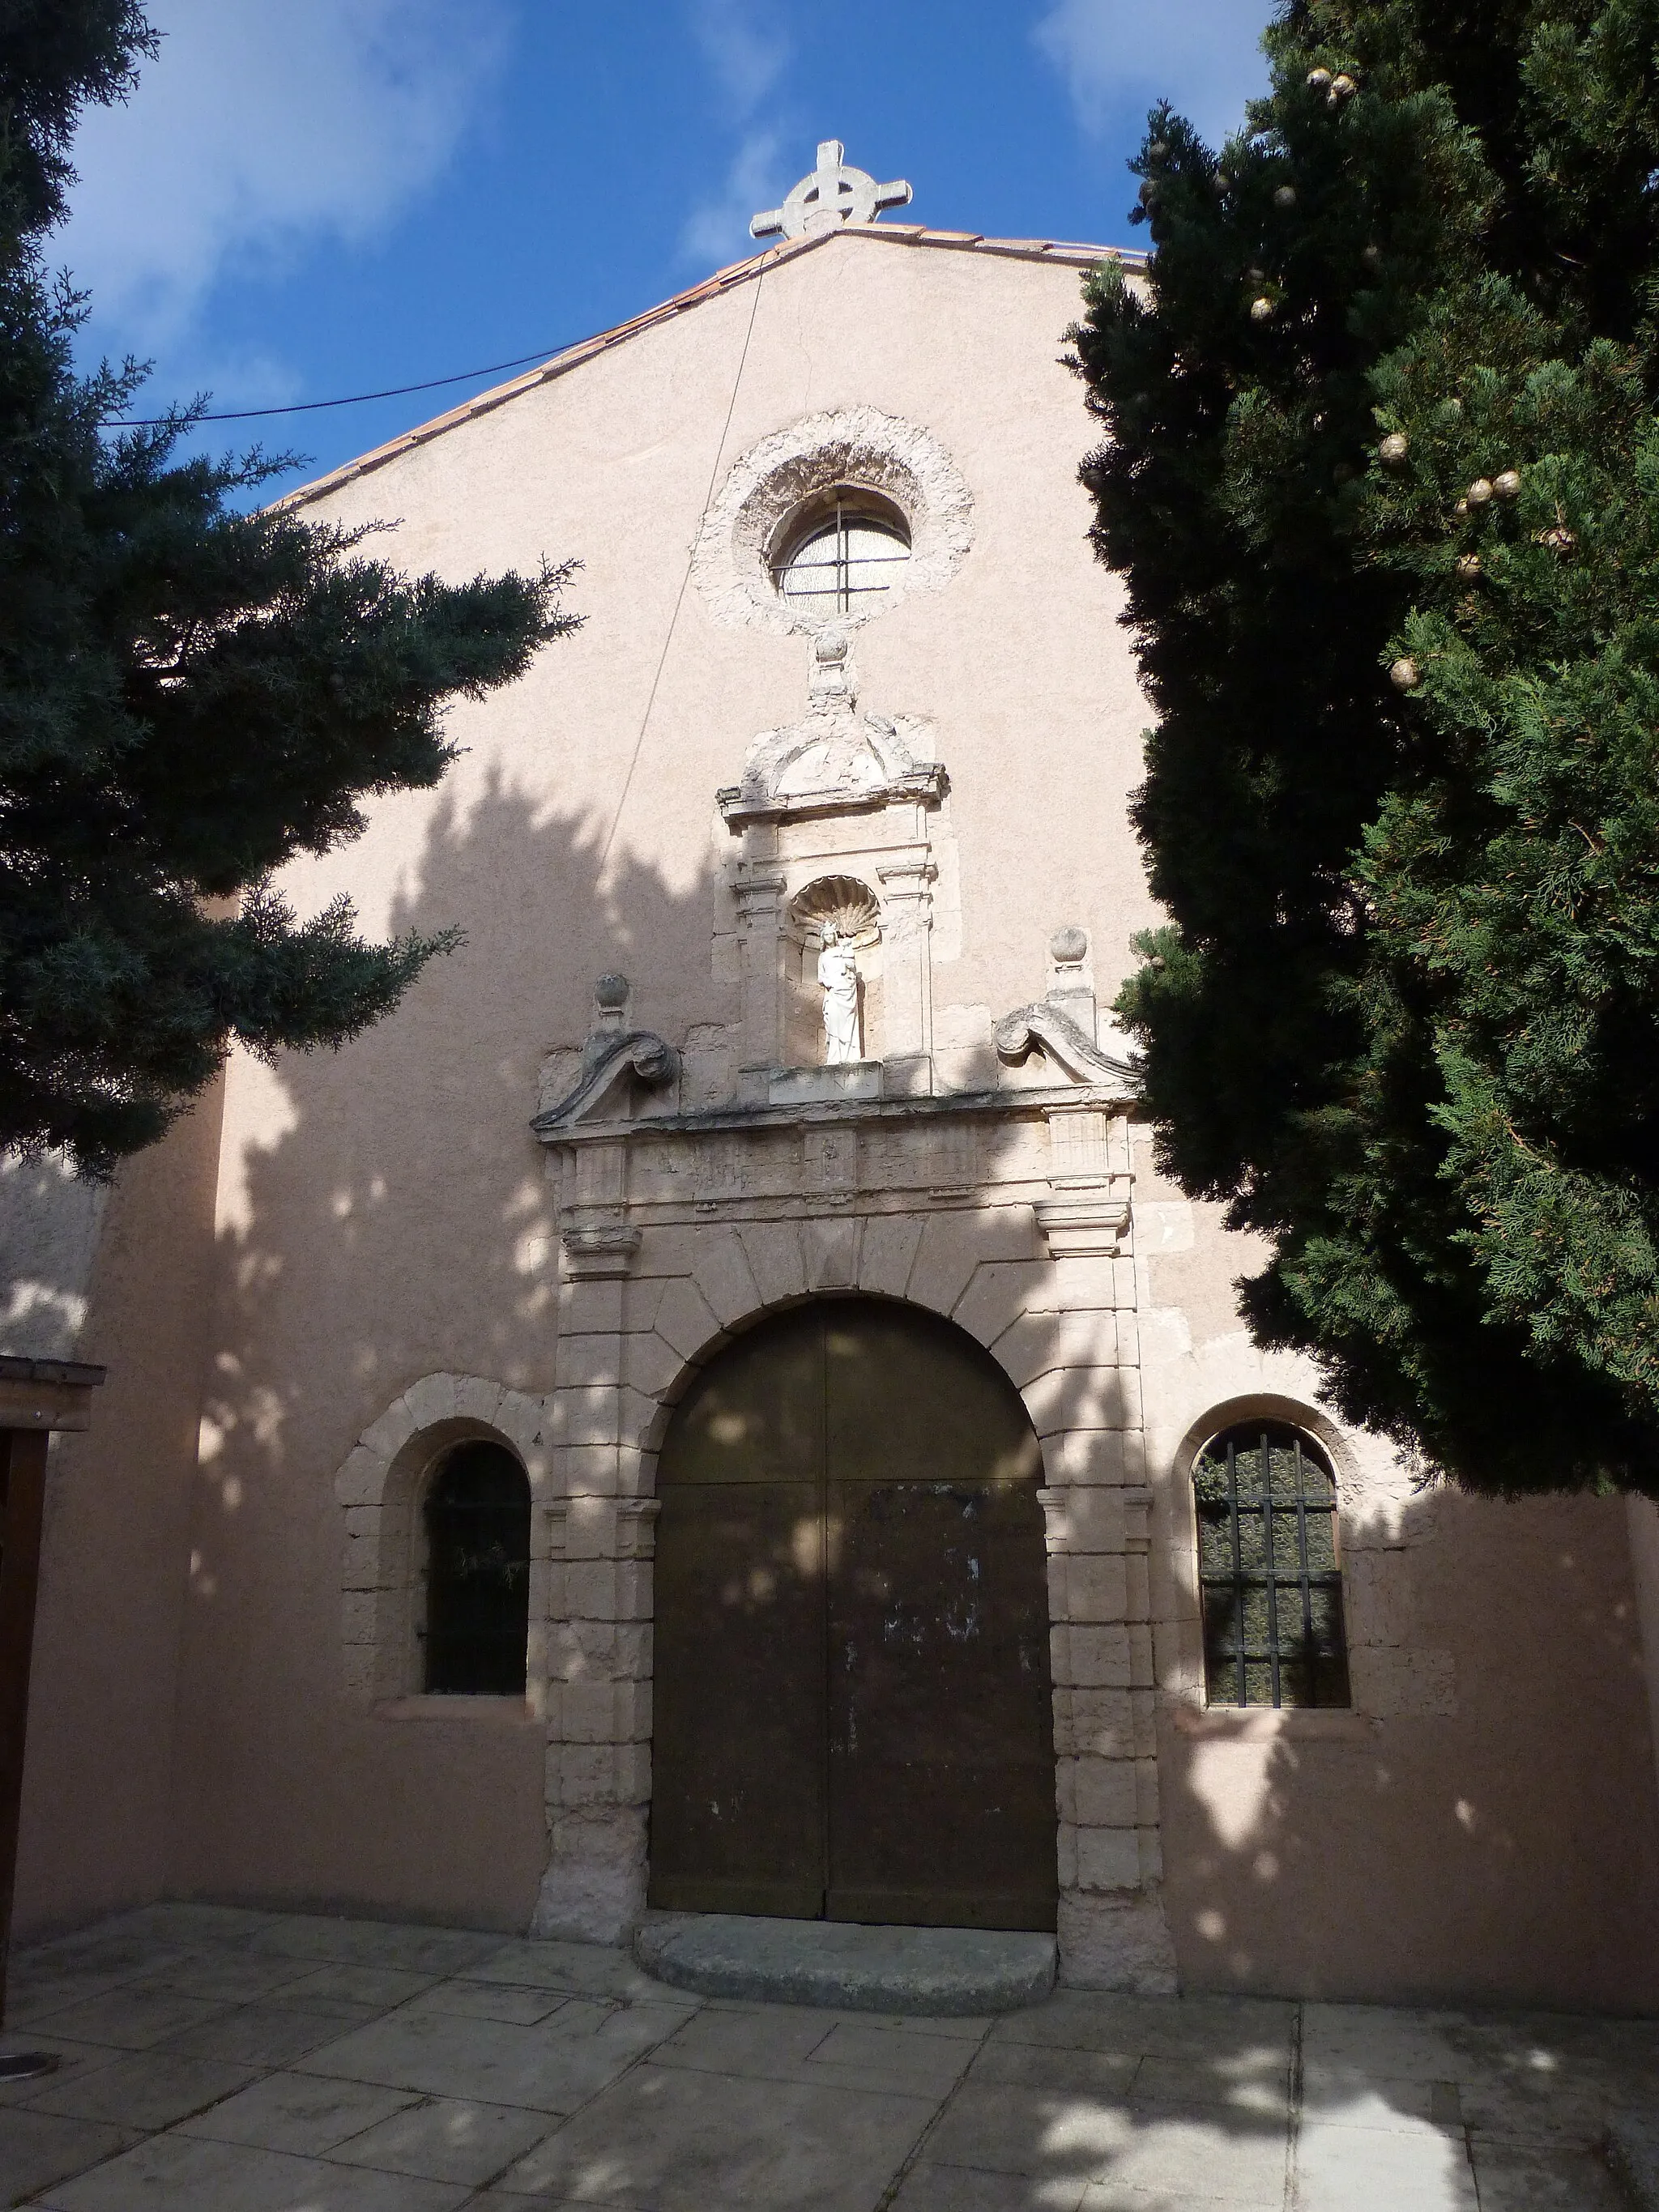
[(597, 1628), (599, 1717), (1096, 1509), (759, 889), (907, 1047)]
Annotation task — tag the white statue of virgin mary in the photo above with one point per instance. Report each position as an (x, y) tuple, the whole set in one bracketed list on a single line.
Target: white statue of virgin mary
[(838, 976)]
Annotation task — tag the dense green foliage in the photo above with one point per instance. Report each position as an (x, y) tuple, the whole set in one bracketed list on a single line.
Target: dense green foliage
[(190, 696), (1382, 476)]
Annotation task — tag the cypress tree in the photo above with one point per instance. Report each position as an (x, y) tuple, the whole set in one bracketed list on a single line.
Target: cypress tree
[(190, 695), (1382, 473)]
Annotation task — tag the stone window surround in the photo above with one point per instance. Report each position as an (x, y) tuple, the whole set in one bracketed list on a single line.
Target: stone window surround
[(379, 1488), (860, 447), (1178, 1638)]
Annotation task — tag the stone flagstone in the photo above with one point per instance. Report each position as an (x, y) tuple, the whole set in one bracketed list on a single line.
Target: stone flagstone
[(526, 2077)]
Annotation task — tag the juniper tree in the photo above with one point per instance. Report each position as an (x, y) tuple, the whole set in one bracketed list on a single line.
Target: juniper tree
[(190, 695), (1382, 473)]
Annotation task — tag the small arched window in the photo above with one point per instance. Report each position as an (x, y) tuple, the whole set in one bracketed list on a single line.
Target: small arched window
[(842, 552), (478, 1590), (1271, 1586)]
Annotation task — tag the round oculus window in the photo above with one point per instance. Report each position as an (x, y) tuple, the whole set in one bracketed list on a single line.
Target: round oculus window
[(841, 552)]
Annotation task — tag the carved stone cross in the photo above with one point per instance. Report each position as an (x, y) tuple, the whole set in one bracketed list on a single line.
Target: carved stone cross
[(834, 194)]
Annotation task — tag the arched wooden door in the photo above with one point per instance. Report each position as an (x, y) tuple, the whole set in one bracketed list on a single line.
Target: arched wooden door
[(853, 1715)]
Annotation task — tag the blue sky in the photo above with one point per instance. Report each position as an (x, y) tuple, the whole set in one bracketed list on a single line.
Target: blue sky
[(312, 197)]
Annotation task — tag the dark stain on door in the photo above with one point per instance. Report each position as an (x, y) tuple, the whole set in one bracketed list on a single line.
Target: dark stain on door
[(853, 1713)]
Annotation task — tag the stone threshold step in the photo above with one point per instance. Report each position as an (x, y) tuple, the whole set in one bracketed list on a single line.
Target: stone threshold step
[(917, 1971)]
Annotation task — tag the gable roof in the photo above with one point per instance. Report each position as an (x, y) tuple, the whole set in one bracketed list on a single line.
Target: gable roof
[(1067, 253)]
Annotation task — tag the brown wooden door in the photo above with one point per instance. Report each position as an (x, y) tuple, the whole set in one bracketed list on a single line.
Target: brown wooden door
[(853, 1715), (22, 1506)]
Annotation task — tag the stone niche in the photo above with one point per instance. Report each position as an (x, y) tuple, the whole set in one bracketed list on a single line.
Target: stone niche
[(835, 820), (853, 908)]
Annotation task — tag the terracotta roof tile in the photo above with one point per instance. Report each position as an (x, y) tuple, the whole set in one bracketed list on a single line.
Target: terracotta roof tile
[(739, 272)]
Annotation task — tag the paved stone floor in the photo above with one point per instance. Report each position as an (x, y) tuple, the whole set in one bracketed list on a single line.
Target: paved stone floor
[(219, 2061)]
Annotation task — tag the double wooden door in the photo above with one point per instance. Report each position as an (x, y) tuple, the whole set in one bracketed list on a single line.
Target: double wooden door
[(853, 1714)]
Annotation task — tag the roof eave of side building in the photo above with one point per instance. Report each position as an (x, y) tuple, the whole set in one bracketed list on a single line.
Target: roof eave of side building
[(1069, 253)]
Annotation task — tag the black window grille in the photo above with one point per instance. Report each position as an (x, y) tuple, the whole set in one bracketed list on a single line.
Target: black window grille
[(478, 1590), (848, 555), (1267, 1570)]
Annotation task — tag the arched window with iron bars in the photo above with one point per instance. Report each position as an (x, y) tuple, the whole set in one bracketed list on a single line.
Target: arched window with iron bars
[(1269, 1577), (842, 553)]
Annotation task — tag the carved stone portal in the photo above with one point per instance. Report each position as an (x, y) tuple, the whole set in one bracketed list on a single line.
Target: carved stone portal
[(1006, 1208)]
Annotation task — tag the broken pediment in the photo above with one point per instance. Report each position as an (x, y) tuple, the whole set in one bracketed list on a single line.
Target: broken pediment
[(607, 1061), (834, 760), (1049, 1030)]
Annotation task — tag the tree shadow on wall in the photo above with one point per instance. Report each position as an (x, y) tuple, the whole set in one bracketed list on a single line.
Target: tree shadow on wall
[(1484, 1850), (1481, 1845), (1486, 1835), (384, 1215)]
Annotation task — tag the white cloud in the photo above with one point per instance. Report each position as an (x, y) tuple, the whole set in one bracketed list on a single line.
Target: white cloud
[(261, 128), (237, 376), (1118, 57), (746, 56), (717, 229), (746, 53)]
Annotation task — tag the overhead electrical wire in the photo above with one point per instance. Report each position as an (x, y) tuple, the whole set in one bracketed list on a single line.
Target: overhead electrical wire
[(355, 399), (679, 600)]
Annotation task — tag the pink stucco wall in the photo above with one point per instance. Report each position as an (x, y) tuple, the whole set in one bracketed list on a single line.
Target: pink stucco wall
[(1504, 1850), (97, 1784)]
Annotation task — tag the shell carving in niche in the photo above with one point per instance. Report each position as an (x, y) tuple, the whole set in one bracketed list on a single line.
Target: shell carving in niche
[(843, 900)]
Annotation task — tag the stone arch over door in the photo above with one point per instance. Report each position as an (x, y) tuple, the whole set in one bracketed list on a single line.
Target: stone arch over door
[(1045, 1289), (853, 1707)]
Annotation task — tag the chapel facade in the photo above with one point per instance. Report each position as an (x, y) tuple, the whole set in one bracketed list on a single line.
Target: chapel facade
[(712, 1406)]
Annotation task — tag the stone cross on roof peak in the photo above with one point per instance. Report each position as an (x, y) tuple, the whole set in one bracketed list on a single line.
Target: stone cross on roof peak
[(834, 194)]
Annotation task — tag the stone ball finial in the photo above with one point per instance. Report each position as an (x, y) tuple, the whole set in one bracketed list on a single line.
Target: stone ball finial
[(1068, 945), (610, 991)]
